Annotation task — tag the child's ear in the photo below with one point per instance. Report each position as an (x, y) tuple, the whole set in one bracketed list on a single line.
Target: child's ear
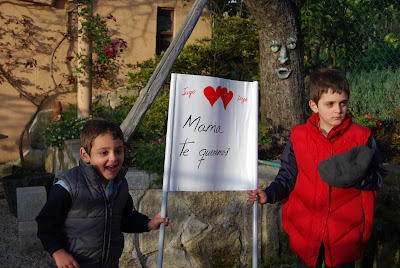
[(84, 155), (313, 106)]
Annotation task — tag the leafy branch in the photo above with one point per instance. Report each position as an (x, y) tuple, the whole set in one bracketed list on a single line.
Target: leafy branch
[(31, 98), (24, 39)]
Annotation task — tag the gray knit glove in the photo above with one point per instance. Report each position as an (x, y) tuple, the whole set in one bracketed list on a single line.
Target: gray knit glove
[(346, 169)]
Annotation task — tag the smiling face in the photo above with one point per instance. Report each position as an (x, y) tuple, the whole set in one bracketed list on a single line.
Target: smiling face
[(332, 108), (106, 156)]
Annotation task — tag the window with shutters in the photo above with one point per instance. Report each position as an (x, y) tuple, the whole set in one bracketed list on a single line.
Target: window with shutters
[(165, 18)]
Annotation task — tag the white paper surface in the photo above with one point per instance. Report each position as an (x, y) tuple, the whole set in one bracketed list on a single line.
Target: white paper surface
[(212, 135)]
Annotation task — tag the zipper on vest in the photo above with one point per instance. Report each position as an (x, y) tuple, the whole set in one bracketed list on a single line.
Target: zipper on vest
[(107, 233)]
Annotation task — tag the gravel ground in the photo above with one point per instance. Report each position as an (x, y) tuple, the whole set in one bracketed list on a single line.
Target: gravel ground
[(10, 254)]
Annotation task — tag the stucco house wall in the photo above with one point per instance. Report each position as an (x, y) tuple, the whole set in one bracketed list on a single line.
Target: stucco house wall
[(136, 23)]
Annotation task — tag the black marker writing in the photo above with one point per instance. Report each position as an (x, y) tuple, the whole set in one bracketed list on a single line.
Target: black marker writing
[(205, 153), (184, 151), (201, 127)]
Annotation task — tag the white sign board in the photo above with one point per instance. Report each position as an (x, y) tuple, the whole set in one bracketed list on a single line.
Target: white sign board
[(212, 135)]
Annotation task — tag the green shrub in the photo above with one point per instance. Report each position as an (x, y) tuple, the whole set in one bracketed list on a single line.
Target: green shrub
[(141, 72), (366, 120), (376, 95), (149, 156), (56, 132), (117, 114), (375, 92), (232, 53), (69, 126), (154, 123)]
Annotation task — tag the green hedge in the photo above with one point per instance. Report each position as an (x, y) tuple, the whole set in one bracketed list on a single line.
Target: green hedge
[(376, 92)]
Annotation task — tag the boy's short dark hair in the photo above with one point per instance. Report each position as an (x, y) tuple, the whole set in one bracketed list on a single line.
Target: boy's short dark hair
[(324, 79), (96, 127)]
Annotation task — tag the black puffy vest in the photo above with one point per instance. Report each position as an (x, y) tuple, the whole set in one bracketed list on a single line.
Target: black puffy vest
[(93, 224)]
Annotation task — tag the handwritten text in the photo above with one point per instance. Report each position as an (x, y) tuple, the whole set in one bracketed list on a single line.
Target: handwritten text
[(243, 100), (205, 153), (202, 127), (189, 93)]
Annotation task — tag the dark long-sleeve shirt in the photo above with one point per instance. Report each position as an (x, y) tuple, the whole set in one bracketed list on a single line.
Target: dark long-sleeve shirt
[(287, 175)]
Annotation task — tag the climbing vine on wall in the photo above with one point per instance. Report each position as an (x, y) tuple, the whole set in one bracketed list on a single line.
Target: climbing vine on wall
[(106, 49), (23, 44)]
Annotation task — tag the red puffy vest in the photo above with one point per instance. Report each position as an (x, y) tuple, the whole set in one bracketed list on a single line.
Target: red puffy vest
[(314, 211)]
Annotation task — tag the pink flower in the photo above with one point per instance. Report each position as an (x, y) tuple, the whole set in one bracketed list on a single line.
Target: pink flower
[(71, 80), (110, 51), (159, 140), (369, 116), (378, 126), (122, 43), (111, 17), (119, 43)]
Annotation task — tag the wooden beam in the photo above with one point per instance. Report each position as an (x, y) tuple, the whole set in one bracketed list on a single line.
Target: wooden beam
[(157, 80)]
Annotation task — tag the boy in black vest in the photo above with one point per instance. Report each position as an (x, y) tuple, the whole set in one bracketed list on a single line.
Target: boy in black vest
[(90, 206)]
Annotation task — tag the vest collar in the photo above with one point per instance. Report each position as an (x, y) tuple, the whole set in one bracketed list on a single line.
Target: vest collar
[(336, 131), (90, 174)]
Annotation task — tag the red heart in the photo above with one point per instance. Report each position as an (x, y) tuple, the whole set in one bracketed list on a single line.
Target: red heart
[(211, 94), (226, 96)]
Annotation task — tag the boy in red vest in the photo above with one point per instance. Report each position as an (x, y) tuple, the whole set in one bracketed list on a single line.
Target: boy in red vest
[(330, 171)]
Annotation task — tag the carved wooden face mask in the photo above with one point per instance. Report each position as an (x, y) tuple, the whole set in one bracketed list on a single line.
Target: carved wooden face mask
[(276, 46)]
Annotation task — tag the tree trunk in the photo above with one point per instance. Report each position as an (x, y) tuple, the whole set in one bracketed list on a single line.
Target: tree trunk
[(282, 100), (84, 91)]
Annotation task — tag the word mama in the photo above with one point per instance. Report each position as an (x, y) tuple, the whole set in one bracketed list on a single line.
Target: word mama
[(202, 127)]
